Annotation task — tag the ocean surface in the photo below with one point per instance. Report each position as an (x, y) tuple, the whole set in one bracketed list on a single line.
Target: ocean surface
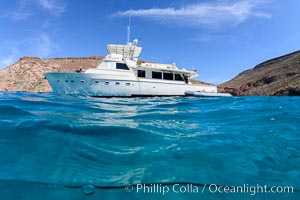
[(70, 147)]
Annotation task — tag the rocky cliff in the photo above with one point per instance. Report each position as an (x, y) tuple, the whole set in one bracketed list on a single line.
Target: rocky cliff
[(279, 76), (28, 73)]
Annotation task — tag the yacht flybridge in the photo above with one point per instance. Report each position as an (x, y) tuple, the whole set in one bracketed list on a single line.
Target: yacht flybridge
[(120, 74)]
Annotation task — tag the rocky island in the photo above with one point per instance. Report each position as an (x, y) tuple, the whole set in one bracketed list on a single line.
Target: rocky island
[(279, 76)]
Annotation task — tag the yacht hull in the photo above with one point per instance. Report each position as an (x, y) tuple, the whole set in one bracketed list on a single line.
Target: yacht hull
[(126, 84)]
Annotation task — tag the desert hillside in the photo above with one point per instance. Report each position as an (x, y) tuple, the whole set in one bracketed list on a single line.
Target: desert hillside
[(279, 76), (28, 73)]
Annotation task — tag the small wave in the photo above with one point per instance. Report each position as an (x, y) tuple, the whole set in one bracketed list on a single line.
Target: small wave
[(7, 111)]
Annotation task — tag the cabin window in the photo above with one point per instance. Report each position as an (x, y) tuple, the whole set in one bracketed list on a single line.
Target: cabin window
[(178, 77), (127, 84), (106, 83), (82, 81), (66, 81), (168, 76), (117, 83), (72, 81), (141, 73), (122, 66), (156, 75), (96, 81)]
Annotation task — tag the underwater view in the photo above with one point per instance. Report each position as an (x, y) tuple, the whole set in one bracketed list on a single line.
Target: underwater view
[(67, 147)]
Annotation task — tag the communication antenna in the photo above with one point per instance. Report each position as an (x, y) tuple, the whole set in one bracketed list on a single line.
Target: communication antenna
[(194, 69), (128, 28)]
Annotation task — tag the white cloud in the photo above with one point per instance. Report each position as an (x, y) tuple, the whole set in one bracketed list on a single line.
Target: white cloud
[(17, 15), (5, 62), (215, 14), (25, 8), (55, 7), (20, 13), (10, 59), (42, 45)]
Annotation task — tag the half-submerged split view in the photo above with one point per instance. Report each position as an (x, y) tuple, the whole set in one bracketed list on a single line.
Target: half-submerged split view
[(220, 120)]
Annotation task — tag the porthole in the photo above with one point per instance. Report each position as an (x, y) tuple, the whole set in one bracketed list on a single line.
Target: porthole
[(97, 82), (117, 83), (82, 81), (106, 83), (127, 84)]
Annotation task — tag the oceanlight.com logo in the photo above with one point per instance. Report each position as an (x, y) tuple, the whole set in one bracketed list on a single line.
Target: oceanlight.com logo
[(164, 189)]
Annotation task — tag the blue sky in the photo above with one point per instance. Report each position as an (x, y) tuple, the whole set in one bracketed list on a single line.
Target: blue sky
[(220, 38)]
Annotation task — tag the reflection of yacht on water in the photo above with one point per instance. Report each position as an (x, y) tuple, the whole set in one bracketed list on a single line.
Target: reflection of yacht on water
[(120, 74)]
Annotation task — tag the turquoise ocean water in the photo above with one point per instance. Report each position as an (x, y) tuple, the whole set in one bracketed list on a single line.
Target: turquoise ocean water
[(66, 147)]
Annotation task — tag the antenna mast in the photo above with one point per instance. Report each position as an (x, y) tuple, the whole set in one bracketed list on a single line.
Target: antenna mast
[(128, 28)]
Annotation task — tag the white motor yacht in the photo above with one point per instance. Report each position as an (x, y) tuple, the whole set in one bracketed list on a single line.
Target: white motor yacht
[(120, 74)]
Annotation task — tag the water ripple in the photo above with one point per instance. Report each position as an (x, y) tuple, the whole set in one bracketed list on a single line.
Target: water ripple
[(116, 141)]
